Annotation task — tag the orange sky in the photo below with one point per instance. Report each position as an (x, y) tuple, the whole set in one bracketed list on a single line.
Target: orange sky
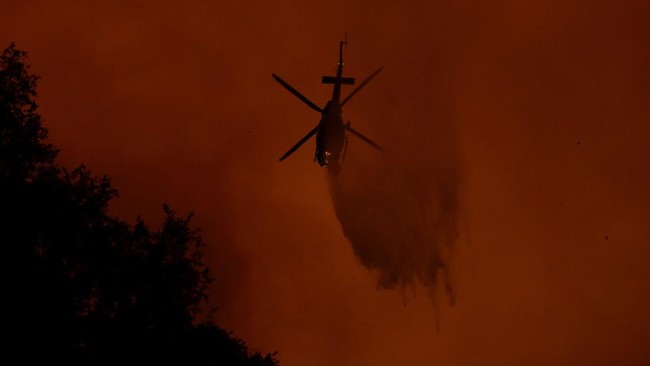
[(534, 114)]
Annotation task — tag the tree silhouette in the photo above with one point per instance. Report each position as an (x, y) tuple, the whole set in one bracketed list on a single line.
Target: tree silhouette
[(82, 286)]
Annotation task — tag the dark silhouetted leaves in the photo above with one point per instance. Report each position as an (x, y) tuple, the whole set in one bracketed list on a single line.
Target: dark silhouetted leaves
[(82, 286)]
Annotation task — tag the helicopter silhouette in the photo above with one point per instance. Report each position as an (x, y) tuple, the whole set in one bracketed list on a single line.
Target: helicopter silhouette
[(331, 137)]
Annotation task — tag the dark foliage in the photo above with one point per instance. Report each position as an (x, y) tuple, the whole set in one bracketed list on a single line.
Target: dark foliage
[(82, 286)]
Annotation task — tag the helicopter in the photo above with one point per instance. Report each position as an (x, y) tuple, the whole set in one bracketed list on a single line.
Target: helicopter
[(331, 137)]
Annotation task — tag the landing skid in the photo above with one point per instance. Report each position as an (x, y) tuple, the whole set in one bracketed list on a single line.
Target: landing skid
[(345, 149)]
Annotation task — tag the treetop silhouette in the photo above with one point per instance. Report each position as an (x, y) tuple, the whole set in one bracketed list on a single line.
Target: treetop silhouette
[(83, 286)]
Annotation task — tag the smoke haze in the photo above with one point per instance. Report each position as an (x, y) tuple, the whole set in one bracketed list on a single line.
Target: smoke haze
[(399, 210), (522, 126)]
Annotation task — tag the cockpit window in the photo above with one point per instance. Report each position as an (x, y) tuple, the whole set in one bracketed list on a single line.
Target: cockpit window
[(322, 158)]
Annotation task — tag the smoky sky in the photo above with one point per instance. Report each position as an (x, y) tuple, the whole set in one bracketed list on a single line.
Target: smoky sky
[(516, 166), (393, 226), (399, 209)]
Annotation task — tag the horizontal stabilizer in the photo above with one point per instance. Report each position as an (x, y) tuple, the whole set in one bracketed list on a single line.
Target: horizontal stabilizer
[(332, 80)]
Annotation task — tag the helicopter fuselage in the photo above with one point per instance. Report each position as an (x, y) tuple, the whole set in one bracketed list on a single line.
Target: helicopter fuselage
[(330, 137), (330, 131)]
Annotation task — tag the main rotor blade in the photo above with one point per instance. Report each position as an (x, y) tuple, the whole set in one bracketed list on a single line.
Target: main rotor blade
[(297, 94), (364, 138), (358, 88), (302, 141)]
